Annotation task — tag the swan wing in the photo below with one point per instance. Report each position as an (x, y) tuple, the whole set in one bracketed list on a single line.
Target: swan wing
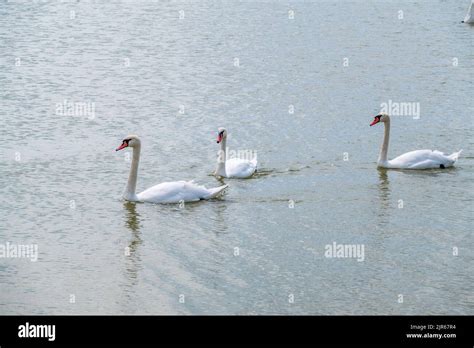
[(423, 159), (240, 168), (177, 191)]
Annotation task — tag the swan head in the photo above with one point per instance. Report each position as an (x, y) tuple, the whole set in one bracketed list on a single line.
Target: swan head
[(382, 117), (129, 141), (221, 134)]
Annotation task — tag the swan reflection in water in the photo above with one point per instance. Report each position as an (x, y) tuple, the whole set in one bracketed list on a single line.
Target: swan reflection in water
[(132, 222), (384, 187), (385, 204)]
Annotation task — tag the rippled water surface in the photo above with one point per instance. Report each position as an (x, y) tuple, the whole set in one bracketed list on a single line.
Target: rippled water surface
[(245, 66)]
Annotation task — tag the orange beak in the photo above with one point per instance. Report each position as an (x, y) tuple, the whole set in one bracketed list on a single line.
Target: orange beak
[(123, 146), (375, 121)]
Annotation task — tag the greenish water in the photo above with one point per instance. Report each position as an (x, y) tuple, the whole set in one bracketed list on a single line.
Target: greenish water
[(174, 81)]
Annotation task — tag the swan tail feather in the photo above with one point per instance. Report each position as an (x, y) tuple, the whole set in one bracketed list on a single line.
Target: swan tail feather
[(454, 156), (216, 191)]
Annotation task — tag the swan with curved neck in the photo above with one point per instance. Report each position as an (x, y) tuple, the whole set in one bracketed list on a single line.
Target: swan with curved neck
[(167, 192), (234, 167), (418, 159)]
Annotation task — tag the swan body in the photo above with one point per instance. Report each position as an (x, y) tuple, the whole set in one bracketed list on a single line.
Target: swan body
[(177, 191), (240, 168), (167, 192), (234, 167), (418, 159), (423, 159)]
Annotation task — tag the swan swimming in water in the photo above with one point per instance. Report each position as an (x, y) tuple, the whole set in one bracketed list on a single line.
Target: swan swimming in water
[(418, 159), (167, 192), (234, 167)]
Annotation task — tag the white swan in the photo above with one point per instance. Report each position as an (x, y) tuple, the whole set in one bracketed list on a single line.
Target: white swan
[(418, 159), (167, 192), (234, 167)]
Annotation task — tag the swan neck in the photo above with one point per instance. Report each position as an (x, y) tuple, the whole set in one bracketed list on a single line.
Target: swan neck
[(132, 178), (386, 138), (221, 157)]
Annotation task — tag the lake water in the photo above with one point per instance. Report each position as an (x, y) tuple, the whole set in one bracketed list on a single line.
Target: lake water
[(279, 81)]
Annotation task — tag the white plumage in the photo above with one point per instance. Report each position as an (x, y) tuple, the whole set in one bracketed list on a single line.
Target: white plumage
[(178, 191), (424, 159)]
